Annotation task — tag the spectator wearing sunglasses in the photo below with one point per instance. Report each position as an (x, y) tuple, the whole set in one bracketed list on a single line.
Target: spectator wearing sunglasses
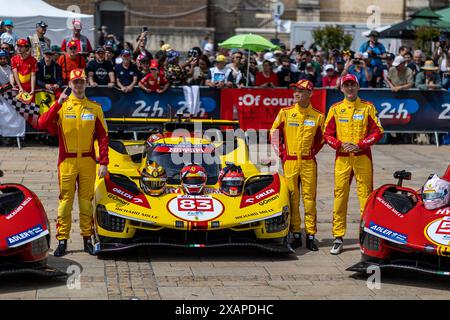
[(71, 60)]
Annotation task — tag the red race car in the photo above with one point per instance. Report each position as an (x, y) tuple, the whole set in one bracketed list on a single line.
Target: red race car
[(24, 232), (399, 230)]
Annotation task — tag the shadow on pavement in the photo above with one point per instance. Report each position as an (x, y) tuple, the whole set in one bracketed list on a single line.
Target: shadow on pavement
[(25, 281)]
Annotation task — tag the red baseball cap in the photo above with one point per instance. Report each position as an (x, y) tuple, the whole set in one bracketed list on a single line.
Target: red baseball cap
[(23, 43), (154, 64), (77, 74), (303, 85), (349, 77), (72, 44)]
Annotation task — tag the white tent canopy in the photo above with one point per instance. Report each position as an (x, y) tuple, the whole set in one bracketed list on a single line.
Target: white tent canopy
[(26, 13)]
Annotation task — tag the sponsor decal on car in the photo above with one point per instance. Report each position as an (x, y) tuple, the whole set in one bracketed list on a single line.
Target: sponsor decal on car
[(26, 236), (444, 211), (19, 208), (195, 208), (386, 233), (392, 209), (438, 231)]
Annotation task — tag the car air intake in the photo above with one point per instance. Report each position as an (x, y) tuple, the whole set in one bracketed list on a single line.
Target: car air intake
[(400, 202), (10, 199)]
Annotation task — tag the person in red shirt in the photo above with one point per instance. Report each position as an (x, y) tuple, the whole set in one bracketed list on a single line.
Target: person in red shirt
[(24, 67), (266, 78), (71, 60), (331, 77), (155, 80), (82, 42)]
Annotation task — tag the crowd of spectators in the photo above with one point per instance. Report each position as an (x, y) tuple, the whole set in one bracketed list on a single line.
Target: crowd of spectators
[(33, 62)]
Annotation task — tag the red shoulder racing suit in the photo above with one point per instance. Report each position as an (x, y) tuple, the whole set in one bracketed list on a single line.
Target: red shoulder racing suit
[(351, 122), (297, 136), (78, 123)]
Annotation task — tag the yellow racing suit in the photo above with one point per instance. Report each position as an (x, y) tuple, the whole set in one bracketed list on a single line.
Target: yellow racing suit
[(296, 135), (78, 123), (351, 122)]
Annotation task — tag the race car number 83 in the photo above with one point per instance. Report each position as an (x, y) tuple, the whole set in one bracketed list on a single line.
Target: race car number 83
[(195, 204)]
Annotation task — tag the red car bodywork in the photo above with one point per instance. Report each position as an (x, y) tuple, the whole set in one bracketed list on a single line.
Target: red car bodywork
[(397, 231)]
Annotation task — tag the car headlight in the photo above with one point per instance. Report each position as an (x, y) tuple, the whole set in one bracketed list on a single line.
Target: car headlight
[(279, 223), (39, 246), (108, 221)]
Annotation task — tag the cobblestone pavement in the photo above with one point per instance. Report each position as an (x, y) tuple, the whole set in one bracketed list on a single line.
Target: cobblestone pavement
[(231, 274)]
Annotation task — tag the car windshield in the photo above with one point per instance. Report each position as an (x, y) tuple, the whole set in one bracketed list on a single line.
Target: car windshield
[(165, 160)]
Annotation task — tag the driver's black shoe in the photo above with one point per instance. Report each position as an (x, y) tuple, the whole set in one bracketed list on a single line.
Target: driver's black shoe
[(88, 246), (297, 242), (61, 248), (310, 243)]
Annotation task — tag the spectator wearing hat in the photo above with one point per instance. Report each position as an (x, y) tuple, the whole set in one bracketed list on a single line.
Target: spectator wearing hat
[(155, 81), (100, 72), (109, 55), (5, 69), (126, 73), (267, 78), (376, 52), (24, 67), (330, 79), (49, 74), (399, 76), (39, 42), (71, 60), (387, 65), (217, 75), (9, 36), (82, 42), (429, 78), (7, 48), (173, 72), (357, 66)]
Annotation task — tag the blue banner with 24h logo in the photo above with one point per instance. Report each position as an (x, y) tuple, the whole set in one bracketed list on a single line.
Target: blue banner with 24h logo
[(139, 104), (406, 111)]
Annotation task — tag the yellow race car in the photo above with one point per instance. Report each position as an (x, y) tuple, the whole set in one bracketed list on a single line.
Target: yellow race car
[(186, 190)]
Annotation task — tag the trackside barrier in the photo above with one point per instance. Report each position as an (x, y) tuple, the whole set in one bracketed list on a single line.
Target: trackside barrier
[(411, 111)]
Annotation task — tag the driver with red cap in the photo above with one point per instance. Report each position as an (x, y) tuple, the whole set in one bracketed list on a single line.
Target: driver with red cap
[(297, 136), (351, 128)]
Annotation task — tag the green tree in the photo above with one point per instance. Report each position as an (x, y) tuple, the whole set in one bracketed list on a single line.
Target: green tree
[(332, 37), (424, 36)]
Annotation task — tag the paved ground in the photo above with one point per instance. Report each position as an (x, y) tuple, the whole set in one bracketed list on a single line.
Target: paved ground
[(180, 274)]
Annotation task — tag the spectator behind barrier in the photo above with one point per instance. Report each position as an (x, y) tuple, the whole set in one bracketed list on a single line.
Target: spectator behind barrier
[(126, 73), (5, 69), (287, 73), (141, 43), (330, 79), (399, 76), (9, 36), (217, 75), (39, 42), (100, 72), (359, 69), (155, 81), (144, 67), (429, 78), (70, 60), (82, 42), (267, 78), (49, 74), (416, 64), (173, 72), (24, 67), (234, 75), (376, 52)]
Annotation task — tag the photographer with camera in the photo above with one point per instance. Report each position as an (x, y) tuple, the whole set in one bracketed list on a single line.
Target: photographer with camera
[(357, 67), (287, 72), (141, 43)]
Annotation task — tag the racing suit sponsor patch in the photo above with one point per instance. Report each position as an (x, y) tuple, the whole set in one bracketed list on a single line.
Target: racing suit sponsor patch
[(309, 123), (87, 117), (293, 124), (358, 117)]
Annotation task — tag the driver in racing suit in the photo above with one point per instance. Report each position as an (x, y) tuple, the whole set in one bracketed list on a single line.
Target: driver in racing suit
[(78, 122), (351, 128), (296, 135)]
